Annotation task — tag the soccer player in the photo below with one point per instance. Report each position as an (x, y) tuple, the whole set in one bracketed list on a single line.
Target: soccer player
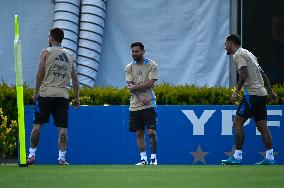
[(141, 76), (253, 104), (56, 68)]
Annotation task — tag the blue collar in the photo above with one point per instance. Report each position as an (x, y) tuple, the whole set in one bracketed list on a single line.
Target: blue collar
[(146, 61)]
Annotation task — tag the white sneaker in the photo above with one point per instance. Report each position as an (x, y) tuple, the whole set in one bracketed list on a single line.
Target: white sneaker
[(153, 162), (142, 162), (62, 162)]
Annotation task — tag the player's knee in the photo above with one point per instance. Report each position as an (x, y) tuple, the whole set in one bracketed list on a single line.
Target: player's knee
[(261, 126), (151, 132), (239, 120), (140, 133), (63, 135), (238, 125), (263, 129), (35, 132), (36, 128)]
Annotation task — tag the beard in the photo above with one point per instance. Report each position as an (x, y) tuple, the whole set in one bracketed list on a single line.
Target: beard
[(228, 52), (137, 58)]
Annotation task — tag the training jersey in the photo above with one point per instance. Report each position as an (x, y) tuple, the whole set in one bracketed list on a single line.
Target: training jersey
[(141, 73), (58, 68), (254, 84)]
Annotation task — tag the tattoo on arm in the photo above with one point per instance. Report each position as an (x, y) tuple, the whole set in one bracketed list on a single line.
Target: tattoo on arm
[(243, 74), (266, 81), (141, 87), (147, 85), (137, 93), (129, 83), (75, 83)]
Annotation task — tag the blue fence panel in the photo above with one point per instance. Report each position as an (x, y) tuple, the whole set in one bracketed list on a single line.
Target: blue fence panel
[(186, 135)]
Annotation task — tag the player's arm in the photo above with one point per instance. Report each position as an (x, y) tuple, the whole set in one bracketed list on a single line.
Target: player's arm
[(268, 87), (75, 85), (145, 100), (266, 81), (152, 78), (40, 73), (243, 74), (130, 85), (129, 80), (142, 86)]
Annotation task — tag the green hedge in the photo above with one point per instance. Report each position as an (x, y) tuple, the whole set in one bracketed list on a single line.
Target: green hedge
[(166, 95)]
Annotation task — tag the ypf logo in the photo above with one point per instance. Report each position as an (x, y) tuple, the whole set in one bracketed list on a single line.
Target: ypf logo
[(199, 123)]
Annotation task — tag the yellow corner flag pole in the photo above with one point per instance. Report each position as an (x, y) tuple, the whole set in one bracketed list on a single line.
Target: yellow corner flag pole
[(20, 98)]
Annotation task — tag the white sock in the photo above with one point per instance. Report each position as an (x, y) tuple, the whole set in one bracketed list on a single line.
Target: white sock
[(143, 155), (61, 155), (153, 156), (269, 154), (32, 152), (238, 154)]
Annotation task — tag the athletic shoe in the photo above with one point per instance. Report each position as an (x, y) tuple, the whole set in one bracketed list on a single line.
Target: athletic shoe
[(266, 162), (142, 162), (153, 162), (231, 161), (31, 160), (62, 162)]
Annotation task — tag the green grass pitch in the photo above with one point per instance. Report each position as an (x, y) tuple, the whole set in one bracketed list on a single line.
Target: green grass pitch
[(163, 176)]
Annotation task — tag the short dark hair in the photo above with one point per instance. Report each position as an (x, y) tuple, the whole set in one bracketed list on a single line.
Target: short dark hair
[(138, 44), (57, 34), (234, 38)]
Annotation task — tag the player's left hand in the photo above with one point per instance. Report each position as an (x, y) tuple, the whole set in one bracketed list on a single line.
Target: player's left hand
[(145, 101), (234, 97), (273, 97), (76, 103)]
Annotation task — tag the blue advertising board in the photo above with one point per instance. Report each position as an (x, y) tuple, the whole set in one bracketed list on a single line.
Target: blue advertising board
[(187, 134)]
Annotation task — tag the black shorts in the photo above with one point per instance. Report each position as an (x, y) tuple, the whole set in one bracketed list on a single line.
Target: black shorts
[(140, 119), (58, 107), (253, 106)]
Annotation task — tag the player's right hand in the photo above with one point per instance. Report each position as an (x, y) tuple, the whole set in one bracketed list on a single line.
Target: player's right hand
[(234, 97), (34, 97), (145, 100)]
